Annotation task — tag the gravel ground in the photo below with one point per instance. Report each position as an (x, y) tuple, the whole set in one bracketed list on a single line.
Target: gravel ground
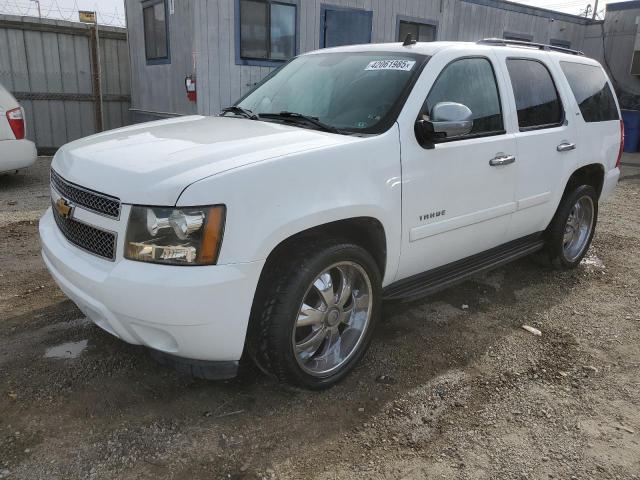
[(25, 195), (453, 387)]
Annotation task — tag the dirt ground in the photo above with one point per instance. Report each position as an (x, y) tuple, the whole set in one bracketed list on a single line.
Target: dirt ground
[(452, 387)]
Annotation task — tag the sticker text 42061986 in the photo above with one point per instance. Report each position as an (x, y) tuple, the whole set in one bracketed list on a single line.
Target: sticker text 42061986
[(404, 65)]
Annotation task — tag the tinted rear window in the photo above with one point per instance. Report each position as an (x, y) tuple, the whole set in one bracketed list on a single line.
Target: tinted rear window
[(593, 94), (536, 96)]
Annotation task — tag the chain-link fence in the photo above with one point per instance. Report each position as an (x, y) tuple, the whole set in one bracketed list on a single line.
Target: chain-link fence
[(65, 10), (68, 86)]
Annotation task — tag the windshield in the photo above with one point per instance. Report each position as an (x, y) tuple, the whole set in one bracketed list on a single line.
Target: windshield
[(357, 92)]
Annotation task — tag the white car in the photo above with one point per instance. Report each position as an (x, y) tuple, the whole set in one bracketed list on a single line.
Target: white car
[(349, 176), (15, 151)]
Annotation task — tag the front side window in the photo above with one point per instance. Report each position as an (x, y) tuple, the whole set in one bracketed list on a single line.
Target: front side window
[(421, 32), (535, 93), (267, 30), (156, 41), (356, 92), (592, 92), (471, 82)]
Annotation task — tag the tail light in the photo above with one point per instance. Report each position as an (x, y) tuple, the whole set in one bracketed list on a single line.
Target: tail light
[(16, 122), (621, 144)]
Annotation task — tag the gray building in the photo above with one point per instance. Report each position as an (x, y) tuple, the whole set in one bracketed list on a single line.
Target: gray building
[(616, 44), (230, 45)]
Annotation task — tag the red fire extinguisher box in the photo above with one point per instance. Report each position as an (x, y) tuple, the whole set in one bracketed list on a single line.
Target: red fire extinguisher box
[(190, 86)]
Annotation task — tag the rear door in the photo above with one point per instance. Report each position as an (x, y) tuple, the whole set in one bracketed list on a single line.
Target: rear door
[(343, 26), (545, 134)]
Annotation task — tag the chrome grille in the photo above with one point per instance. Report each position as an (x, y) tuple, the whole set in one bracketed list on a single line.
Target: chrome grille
[(95, 201), (93, 240)]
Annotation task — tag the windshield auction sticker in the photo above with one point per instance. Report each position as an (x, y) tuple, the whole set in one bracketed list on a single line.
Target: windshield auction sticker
[(404, 65)]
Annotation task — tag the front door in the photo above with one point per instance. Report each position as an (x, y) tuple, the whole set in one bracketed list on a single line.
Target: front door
[(457, 197), (343, 26)]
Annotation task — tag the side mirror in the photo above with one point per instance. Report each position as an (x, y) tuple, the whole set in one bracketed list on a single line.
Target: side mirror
[(447, 120)]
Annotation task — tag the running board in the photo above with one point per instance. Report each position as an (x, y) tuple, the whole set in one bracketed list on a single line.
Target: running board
[(430, 282)]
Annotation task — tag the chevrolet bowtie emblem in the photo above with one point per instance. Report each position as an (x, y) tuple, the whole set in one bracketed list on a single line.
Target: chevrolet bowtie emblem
[(63, 207)]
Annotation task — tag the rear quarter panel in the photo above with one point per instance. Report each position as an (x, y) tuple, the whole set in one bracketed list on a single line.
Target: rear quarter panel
[(273, 200)]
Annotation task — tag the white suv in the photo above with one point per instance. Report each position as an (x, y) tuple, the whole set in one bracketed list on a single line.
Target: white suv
[(15, 151), (348, 176)]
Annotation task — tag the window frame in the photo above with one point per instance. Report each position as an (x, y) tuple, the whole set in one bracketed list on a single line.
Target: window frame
[(500, 104), (156, 60), (265, 62), (563, 111), (416, 21)]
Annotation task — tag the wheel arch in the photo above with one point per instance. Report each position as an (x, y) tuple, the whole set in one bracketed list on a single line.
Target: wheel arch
[(592, 174), (368, 232)]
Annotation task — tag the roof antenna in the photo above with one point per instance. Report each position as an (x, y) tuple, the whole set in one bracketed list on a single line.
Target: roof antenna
[(408, 40)]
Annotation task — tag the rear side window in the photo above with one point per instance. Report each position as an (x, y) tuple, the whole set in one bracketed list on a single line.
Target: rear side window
[(593, 94), (535, 93), (470, 81)]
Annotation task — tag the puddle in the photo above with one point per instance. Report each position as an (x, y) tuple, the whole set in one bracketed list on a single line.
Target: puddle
[(67, 350)]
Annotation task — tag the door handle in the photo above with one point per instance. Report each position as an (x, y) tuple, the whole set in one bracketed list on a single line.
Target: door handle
[(502, 160), (566, 146)]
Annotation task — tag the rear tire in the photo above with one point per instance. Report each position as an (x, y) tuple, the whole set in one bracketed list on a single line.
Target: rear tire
[(314, 313), (571, 231)]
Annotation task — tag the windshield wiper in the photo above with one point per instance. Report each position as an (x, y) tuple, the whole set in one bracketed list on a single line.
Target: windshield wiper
[(244, 112), (299, 117)]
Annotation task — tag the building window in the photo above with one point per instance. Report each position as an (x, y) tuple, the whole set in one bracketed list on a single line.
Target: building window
[(560, 43), (421, 32), (520, 37), (267, 30), (344, 26), (537, 100), (156, 31)]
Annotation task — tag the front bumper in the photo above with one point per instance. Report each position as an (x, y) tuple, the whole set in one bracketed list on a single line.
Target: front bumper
[(191, 312)]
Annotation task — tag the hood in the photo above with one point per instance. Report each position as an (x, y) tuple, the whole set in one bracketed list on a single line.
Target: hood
[(152, 163)]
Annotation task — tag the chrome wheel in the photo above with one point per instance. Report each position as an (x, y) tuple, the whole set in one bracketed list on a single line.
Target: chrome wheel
[(578, 228), (333, 318)]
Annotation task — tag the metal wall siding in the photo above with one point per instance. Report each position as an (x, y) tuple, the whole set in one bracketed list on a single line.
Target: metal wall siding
[(620, 29), (160, 87)]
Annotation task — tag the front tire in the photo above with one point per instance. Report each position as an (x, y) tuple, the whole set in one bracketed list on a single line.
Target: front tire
[(315, 313), (572, 228)]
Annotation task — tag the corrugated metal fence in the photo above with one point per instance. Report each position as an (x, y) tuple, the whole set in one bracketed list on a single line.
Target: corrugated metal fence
[(51, 68)]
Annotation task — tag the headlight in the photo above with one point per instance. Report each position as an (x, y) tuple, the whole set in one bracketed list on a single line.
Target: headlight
[(177, 236)]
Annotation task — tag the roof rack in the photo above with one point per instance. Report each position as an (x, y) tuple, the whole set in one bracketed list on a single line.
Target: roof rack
[(523, 43)]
